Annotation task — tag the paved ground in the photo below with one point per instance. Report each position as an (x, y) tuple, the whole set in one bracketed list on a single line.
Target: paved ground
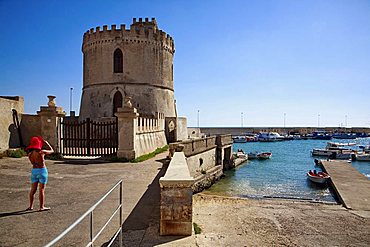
[(74, 187), (352, 186)]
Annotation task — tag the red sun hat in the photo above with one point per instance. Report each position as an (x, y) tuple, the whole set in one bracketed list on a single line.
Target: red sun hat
[(35, 143)]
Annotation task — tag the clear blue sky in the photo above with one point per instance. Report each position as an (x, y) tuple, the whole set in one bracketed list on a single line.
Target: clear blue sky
[(263, 58)]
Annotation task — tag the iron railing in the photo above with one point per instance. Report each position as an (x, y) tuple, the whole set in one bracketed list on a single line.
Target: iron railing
[(91, 213)]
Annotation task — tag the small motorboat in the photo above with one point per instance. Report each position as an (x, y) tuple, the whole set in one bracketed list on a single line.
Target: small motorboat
[(264, 155), (241, 155), (317, 177)]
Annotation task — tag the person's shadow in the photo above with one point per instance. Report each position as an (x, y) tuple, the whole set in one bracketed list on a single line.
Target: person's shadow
[(14, 213)]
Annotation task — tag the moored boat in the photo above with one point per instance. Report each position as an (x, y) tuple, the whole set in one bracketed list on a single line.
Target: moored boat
[(264, 155), (241, 155), (239, 139), (317, 177), (344, 135), (269, 137), (363, 157)]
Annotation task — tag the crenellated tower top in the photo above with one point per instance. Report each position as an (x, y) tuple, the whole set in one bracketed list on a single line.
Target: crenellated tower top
[(140, 31)]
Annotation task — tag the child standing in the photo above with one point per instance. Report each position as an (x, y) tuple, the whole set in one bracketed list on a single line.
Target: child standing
[(39, 174)]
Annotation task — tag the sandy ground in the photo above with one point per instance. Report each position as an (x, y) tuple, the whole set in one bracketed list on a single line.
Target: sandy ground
[(274, 222)]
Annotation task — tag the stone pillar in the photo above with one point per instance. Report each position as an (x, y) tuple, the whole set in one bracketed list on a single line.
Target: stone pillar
[(49, 117), (176, 206), (127, 127)]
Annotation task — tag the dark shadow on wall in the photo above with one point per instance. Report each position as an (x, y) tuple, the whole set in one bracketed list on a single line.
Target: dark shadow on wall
[(14, 137), (141, 228)]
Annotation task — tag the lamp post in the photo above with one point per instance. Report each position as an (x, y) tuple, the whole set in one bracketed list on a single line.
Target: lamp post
[(198, 123), (70, 100), (284, 119), (242, 119), (346, 120), (318, 120)]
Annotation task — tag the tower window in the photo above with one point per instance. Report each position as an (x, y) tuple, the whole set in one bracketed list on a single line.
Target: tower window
[(118, 61)]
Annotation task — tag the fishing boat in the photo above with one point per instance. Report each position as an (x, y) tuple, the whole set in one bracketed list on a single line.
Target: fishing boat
[(317, 177), (264, 155), (335, 150)]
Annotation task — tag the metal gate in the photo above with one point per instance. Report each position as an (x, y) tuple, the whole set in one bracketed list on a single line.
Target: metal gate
[(88, 138)]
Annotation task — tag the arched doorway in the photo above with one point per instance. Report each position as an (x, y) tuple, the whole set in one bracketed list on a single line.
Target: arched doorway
[(117, 101)]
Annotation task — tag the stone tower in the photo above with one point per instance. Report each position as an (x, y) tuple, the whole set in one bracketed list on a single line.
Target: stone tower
[(135, 62)]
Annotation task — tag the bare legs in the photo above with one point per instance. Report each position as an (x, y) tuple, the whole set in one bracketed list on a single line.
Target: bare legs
[(32, 194), (41, 196)]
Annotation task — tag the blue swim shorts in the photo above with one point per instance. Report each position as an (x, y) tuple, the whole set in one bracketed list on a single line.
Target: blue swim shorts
[(39, 175)]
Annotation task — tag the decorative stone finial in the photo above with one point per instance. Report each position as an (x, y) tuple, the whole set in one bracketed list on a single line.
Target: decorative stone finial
[(51, 102)]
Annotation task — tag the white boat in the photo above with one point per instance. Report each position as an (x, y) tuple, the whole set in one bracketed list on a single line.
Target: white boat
[(264, 155), (363, 157), (317, 177), (335, 150), (241, 155), (239, 139), (269, 137)]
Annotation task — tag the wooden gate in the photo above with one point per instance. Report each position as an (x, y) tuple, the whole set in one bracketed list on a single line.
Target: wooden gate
[(88, 138)]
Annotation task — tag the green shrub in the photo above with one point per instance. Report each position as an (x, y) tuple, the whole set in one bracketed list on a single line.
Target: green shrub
[(197, 229), (16, 153), (150, 155)]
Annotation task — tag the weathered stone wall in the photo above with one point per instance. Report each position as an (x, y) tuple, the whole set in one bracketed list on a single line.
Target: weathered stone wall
[(8, 133), (205, 158), (149, 135), (30, 126), (182, 130), (176, 205), (138, 135), (147, 74)]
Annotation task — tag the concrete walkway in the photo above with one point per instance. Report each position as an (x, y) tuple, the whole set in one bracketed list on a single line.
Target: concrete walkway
[(352, 187), (74, 186)]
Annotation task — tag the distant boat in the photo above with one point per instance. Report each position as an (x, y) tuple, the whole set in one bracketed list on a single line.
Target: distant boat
[(269, 137), (335, 150), (345, 136), (317, 177), (363, 157), (321, 135), (239, 139), (264, 155)]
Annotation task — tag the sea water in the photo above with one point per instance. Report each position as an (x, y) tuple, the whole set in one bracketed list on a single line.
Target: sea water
[(282, 176)]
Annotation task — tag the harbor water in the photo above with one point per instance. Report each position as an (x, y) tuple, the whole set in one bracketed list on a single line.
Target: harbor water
[(282, 176)]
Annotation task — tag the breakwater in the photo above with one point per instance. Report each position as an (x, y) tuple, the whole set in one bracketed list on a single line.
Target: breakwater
[(209, 131)]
